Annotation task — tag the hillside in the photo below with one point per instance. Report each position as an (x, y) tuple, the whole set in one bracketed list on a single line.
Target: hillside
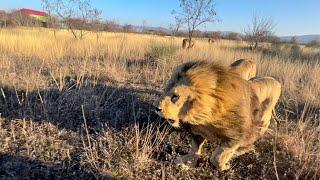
[(304, 39)]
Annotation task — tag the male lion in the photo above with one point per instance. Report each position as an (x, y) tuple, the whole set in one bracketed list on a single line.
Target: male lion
[(214, 103), (245, 68), (186, 43)]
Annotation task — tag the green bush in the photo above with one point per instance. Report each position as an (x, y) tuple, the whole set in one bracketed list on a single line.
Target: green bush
[(295, 52), (163, 51), (274, 50)]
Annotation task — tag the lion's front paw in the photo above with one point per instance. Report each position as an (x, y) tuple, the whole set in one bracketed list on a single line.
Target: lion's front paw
[(219, 165), (181, 164), (186, 162)]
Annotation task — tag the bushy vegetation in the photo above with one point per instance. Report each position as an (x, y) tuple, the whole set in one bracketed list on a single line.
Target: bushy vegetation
[(313, 43), (163, 51), (295, 51), (292, 52), (16, 18)]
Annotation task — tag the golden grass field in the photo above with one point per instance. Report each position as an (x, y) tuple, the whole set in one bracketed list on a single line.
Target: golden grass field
[(84, 108)]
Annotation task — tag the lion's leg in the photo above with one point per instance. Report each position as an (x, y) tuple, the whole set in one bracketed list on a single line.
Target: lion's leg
[(190, 160), (244, 149), (221, 156), (196, 144), (268, 92)]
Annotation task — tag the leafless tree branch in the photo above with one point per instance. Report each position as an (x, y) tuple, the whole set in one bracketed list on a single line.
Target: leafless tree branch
[(75, 14), (259, 30), (195, 13)]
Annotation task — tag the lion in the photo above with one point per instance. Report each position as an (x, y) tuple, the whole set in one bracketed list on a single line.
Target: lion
[(213, 103), (187, 43), (244, 68), (210, 40)]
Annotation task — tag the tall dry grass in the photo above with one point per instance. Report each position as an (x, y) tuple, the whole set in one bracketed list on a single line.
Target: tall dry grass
[(50, 84), (27, 55)]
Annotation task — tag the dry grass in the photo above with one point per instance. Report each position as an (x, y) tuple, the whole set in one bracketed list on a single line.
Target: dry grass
[(83, 108)]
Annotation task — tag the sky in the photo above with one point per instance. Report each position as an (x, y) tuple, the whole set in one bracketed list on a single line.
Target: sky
[(292, 17)]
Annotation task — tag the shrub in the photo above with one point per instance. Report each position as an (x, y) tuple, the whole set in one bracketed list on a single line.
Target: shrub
[(274, 50), (216, 35), (233, 36), (163, 51), (313, 43), (294, 40), (295, 52)]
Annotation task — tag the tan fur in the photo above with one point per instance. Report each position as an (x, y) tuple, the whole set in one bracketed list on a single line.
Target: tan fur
[(210, 40), (268, 91), (245, 68), (215, 103), (187, 44)]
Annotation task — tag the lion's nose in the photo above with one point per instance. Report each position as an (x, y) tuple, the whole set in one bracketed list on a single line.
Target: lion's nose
[(158, 109)]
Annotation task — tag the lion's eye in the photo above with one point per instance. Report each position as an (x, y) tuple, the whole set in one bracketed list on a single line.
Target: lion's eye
[(174, 98)]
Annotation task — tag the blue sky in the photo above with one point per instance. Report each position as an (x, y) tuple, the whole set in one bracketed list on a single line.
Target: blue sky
[(293, 17)]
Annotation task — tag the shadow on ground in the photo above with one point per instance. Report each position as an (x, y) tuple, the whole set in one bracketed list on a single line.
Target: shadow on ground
[(98, 103), (18, 167), (117, 107)]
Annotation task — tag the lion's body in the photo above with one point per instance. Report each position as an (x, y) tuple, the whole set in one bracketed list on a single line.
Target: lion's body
[(186, 43), (245, 68), (216, 103)]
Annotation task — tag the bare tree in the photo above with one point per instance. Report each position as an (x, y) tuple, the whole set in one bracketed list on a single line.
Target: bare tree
[(216, 35), (17, 18), (3, 19), (313, 43), (259, 30), (294, 40), (233, 36), (127, 28), (195, 13), (176, 26), (52, 22), (75, 14), (97, 28), (111, 26), (20, 19), (144, 26)]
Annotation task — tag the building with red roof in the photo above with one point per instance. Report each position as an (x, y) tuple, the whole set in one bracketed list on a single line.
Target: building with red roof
[(40, 15)]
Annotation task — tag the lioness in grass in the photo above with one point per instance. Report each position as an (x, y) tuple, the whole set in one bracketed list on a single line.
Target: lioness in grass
[(186, 43)]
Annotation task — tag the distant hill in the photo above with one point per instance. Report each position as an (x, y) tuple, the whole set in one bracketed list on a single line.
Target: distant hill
[(150, 28), (168, 31), (304, 39)]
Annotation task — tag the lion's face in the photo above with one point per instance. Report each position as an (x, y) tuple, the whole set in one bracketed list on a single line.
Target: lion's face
[(174, 104)]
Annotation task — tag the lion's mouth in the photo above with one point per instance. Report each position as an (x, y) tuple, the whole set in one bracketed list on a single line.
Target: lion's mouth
[(159, 113), (170, 121)]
